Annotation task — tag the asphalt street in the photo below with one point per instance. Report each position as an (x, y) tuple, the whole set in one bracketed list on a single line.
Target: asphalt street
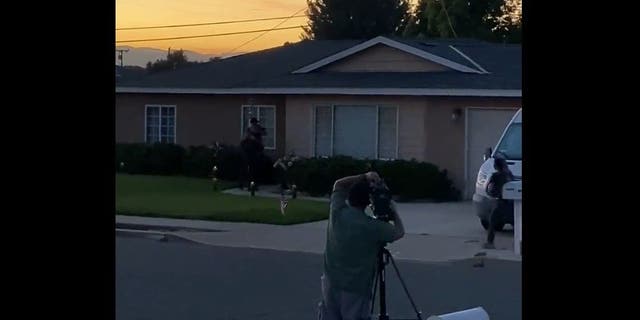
[(175, 279)]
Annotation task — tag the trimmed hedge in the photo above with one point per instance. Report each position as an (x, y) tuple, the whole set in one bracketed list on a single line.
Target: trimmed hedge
[(406, 179), (157, 159), (197, 161)]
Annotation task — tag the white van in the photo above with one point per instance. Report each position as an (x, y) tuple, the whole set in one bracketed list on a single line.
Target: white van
[(510, 147)]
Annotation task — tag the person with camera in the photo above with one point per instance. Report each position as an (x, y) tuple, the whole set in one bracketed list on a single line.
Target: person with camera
[(502, 207), (353, 243)]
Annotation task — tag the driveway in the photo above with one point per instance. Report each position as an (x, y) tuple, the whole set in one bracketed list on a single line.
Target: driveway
[(451, 219)]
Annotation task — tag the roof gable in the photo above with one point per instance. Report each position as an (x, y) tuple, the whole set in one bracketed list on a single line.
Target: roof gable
[(382, 58), (367, 45)]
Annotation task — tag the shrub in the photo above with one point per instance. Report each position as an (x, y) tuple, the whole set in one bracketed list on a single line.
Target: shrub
[(196, 161), (406, 179), (159, 158)]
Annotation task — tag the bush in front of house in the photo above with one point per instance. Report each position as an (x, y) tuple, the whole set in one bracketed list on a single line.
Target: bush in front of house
[(316, 175), (158, 158), (130, 157), (230, 162), (166, 159), (232, 165), (417, 180), (196, 161), (406, 179)]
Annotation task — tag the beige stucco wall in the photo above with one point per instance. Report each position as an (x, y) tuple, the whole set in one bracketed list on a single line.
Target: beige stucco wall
[(426, 131), (445, 143), (200, 119)]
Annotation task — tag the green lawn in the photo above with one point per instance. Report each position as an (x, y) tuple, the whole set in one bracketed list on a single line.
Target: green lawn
[(193, 198)]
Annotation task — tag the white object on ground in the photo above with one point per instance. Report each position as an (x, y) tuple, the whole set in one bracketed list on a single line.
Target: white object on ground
[(470, 314), (513, 191)]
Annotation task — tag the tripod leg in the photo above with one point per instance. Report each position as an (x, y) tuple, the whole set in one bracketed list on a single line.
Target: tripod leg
[(383, 287), (404, 286), (373, 298)]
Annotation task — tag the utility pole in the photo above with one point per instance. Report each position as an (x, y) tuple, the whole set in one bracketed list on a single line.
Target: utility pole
[(120, 55)]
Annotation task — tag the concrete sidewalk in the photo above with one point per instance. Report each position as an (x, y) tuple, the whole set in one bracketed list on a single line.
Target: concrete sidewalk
[(271, 191), (434, 233), (449, 218)]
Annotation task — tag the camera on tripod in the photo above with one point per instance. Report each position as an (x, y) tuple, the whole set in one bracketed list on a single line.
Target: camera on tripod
[(381, 201)]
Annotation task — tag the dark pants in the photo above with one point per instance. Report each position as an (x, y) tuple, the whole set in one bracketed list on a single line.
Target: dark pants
[(250, 168), (499, 215), (342, 305), (248, 174), (251, 156), (253, 169)]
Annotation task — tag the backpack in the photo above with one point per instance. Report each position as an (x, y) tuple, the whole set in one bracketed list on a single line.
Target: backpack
[(496, 182)]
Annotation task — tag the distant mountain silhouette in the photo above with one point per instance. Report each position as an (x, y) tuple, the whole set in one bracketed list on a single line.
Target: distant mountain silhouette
[(140, 56)]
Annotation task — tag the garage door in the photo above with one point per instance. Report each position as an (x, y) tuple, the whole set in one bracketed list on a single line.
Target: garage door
[(484, 128)]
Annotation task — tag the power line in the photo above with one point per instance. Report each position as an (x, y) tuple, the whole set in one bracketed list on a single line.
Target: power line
[(208, 35), (262, 34), (448, 19), (207, 23)]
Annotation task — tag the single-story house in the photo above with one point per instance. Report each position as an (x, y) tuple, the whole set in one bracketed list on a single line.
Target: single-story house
[(438, 100), (129, 73)]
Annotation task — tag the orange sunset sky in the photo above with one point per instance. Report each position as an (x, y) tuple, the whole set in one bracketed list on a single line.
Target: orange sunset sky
[(142, 13)]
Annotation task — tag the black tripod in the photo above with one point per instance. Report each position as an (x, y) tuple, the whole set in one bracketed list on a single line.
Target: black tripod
[(384, 256)]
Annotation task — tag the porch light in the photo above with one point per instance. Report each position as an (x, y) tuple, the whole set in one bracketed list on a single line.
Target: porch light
[(456, 114)]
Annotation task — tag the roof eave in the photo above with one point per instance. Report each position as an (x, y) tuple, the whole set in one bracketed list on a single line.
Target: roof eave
[(454, 92)]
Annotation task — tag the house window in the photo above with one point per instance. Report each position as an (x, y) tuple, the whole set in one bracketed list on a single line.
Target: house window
[(360, 131), (160, 124), (266, 115)]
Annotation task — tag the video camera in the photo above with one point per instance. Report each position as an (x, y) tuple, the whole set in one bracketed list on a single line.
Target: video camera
[(381, 201)]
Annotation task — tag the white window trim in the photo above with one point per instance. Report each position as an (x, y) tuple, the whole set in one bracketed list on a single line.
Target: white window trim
[(333, 126), (175, 120), (333, 107), (397, 132), (275, 122), (377, 132)]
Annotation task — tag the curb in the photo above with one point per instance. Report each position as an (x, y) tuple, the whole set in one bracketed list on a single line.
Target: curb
[(162, 227), (166, 236)]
